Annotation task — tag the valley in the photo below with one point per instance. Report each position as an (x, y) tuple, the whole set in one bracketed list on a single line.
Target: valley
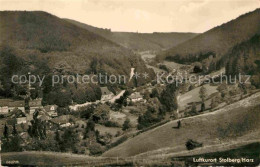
[(200, 111)]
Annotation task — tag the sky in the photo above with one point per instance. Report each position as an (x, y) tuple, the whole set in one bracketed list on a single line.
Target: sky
[(141, 15)]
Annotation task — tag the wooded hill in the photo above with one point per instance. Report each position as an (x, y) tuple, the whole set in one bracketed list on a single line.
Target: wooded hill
[(156, 41), (65, 45), (217, 41)]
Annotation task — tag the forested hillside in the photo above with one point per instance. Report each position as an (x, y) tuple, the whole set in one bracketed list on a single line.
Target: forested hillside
[(244, 59), (43, 44), (217, 41), (140, 41)]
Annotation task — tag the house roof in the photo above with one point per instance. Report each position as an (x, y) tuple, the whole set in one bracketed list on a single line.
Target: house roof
[(35, 103), (4, 102), (49, 107), (20, 103), (11, 103), (135, 95), (21, 118)]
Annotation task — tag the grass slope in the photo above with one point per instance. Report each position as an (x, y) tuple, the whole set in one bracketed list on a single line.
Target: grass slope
[(227, 124), (249, 151), (65, 159)]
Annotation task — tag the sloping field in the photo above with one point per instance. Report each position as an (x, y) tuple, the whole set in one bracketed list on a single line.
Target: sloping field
[(193, 95), (237, 122), (33, 158), (37, 158)]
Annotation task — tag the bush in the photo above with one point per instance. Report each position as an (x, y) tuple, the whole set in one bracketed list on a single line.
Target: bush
[(190, 144), (96, 149), (118, 133), (126, 124), (111, 124)]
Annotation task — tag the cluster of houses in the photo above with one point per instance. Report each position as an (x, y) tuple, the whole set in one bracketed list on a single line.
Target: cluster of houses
[(20, 113), (7, 106), (108, 96)]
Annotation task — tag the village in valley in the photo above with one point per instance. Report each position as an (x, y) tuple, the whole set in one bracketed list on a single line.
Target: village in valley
[(186, 95), (95, 127)]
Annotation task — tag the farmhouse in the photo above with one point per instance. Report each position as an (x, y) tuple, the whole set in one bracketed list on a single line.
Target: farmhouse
[(51, 110), (135, 97)]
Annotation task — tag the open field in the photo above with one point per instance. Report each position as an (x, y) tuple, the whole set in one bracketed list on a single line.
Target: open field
[(193, 95), (36, 158), (33, 158), (238, 121), (172, 65)]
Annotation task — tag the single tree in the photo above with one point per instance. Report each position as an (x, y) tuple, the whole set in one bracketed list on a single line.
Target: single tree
[(203, 95), (6, 131), (126, 124), (14, 130), (202, 108), (193, 109), (178, 124), (213, 103)]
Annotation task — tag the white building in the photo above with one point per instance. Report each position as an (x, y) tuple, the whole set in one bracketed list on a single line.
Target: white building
[(21, 120), (135, 97)]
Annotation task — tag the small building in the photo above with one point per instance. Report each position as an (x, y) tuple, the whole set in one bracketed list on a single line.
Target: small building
[(106, 94), (65, 125), (64, 120), (81, 124), (21, 120), (51, 110), (135, 97), (35, 104)]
